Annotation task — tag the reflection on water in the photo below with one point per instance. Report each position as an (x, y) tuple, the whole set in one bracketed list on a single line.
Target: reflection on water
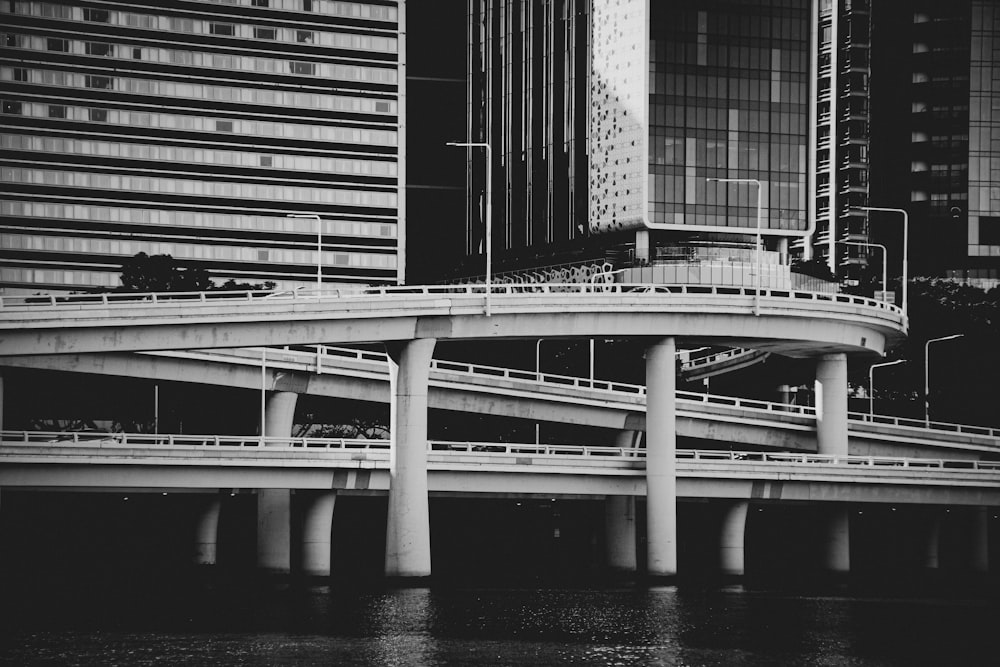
[(238, 624)]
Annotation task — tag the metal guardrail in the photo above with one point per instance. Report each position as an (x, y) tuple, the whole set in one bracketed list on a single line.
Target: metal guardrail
[(575, 382), (125, 440), (108, 299)]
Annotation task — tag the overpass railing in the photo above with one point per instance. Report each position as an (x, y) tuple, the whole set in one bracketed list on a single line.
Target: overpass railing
[(113, 441), (312, 295)]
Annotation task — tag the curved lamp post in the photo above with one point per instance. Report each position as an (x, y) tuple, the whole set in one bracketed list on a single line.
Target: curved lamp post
[(927, 385), (752, 181), (871, 385)]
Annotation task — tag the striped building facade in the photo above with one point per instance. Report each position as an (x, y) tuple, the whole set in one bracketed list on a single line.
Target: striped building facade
[(194, 129)]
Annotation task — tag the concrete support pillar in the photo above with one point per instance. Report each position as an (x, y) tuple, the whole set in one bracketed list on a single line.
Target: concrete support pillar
[(837, 548), (784, 394), (619, 522), (642, 246), (980, 556), (831, 404), (279, 414), (732, 554), (274, 530), (783, 249), (408, 544), (661, 458), (1, 402), (317, 526), (932, 539), (207, 533)]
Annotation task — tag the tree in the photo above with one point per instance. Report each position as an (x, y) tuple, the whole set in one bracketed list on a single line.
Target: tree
[(161, 273)]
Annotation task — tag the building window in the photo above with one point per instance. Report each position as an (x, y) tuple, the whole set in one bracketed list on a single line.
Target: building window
[(304, 36), (57, 111), (96, 15), (54, 44), (99, 49), (223, 126), (302, 68), (259, 3), (102, 82), (20, 74), (12, 107), (989, 230), (222, 29), (382, 107), (99, 115), (266, 160), (265, 33)]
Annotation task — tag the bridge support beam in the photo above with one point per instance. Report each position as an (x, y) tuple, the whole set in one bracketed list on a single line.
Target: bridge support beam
[(932, 539), (619, 522), (831, 404), (837, 546), (732, 553), (317, 524), (661, 458), (207, 533), (279, 414), (274, 530), (980, 556), (408, 543)]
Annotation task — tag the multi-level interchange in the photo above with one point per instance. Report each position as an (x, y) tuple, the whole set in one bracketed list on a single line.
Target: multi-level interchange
[(681, 175)]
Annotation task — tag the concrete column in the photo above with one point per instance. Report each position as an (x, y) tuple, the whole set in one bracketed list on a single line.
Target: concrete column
[(408, 544), (274, 530), (837, 548), (661, 458), (619, 522), (980, 557), (784, 394), (317, 524), (1, 402), (279, 414), (782, 247), (732, 559), (932, 539), (642, 246), (207, 533), (831, 404)]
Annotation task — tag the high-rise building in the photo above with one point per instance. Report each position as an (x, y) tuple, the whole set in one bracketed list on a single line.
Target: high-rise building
[(612, 123), (193, 128), (936, 113)]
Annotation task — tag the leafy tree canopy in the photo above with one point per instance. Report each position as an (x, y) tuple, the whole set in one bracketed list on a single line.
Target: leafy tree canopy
[(163, 273)]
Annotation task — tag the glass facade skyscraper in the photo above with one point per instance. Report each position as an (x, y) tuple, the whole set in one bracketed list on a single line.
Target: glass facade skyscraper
[(194, 129), (643, 103)]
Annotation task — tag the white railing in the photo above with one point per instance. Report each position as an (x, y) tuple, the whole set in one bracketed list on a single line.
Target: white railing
[(304, 295), (123, 440), (92, 438), (608, 386)]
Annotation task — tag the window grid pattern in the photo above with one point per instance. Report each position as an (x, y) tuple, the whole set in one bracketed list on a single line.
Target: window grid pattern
[(129, 129), (729, 99)]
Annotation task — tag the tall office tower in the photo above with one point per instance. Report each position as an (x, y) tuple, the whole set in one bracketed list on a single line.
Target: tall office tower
[(936, 109), (193, 129), (607, 118), (839, 165)]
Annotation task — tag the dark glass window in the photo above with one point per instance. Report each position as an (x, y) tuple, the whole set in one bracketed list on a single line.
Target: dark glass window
[(259, 3), (989, 230), (54, 44), (265, 33), (20, 74), (222, 29), (99, 115), (102, 82), (99, 49), (266, 160), (304, 36), (57, 111), (223, 126), (302, 68), (96, 15), (12, 107), (382, 107)]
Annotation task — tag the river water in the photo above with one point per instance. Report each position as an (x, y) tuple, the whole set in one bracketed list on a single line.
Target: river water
[(202, 621)]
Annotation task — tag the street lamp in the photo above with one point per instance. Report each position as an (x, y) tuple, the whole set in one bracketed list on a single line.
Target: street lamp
[(885, 257), (927, 386), (906, 243), (754, 181), (319, 245), (489, 211), (871, 385)]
